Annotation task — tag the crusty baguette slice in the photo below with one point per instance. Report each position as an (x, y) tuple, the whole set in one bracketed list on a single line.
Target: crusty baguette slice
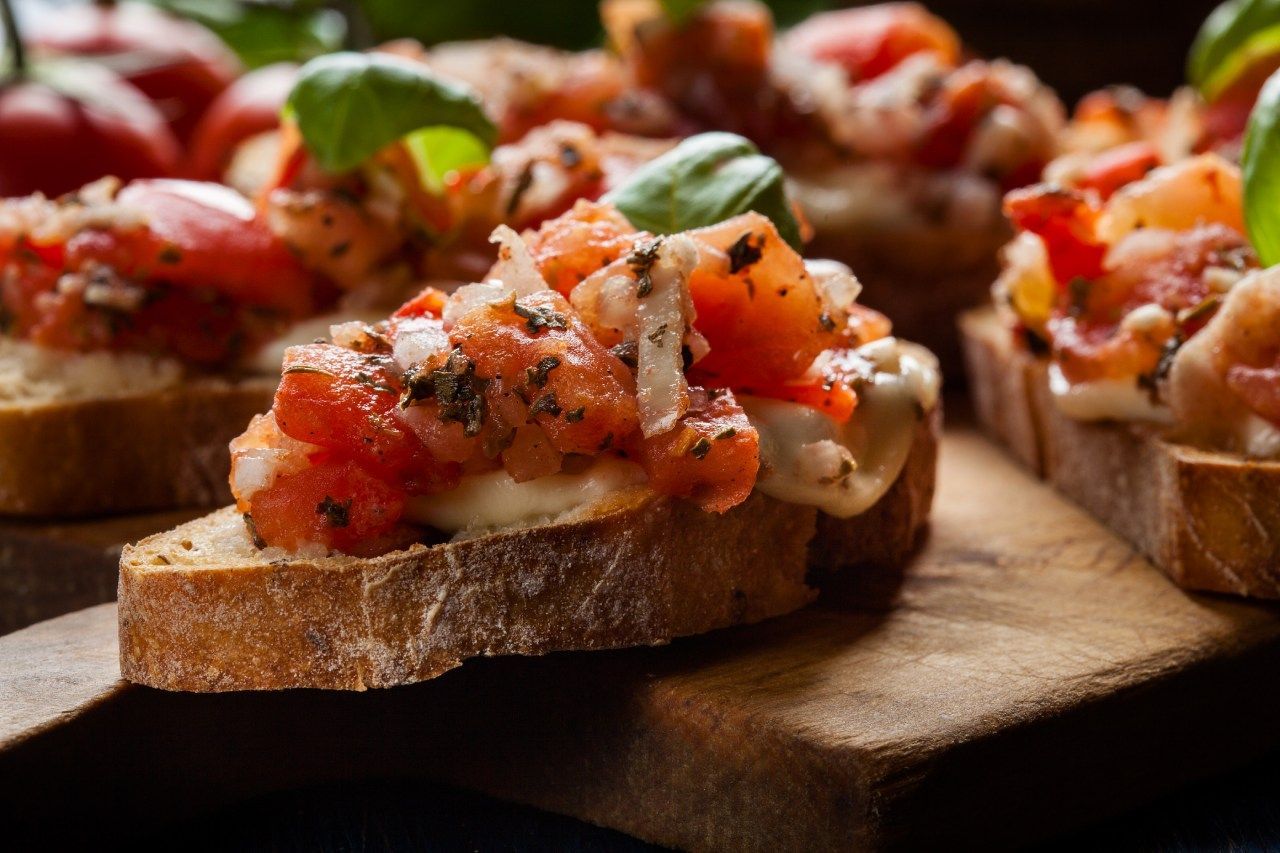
[(143, 451), (1211, 521), (201, 609)]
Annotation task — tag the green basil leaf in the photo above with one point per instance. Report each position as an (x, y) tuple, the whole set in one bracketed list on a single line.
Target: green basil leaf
[(348, 106), (1260, 164), (261, 34), (706, 179), (437, 151), (1236, 34)]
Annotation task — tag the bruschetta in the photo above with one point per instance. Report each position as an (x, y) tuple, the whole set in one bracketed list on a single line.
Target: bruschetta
[(1132, 360), (898, 147), (614, 438)]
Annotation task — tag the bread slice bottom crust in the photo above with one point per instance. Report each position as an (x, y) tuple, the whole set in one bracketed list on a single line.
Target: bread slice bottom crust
[(1209, 520), (135, 453), (202, 610)]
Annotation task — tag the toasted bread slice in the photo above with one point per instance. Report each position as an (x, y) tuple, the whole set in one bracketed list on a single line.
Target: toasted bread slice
[(132, 452), (1209, 520), (201, 609)]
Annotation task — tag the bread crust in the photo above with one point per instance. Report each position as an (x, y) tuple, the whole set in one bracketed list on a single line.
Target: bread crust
[(202, 610), (1209, 520), (134, 453)]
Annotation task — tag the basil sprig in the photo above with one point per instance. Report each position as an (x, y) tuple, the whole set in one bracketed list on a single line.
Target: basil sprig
[(706, 179), (348, 106), (1260, 164), (1235, 35)]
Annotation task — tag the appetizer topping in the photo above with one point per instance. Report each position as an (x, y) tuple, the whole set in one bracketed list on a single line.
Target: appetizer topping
[(164, 267), (1145, 294), (508, 391)]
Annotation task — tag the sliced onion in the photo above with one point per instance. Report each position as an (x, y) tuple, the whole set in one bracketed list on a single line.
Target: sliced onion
[(469, 297), (515, 267), (665, 315), (837, 287)]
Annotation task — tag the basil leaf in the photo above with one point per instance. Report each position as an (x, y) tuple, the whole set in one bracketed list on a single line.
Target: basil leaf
[(348, 106), (1235, 35), (1260, 164), (261, 34), (706, 179)]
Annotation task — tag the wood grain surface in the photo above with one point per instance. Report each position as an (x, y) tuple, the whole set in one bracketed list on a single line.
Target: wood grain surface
[(1027, 674), (51, 568)]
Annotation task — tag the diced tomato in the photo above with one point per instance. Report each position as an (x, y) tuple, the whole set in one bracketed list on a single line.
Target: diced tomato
[(346, 402), (866, 42), (865, 325), (1088, 338), (712, 455), (587, 238), (200, 235), (335, 503), (831, 396), (428, 303), (535, 347), (1066, 221), (757, 306), (1115, 167)]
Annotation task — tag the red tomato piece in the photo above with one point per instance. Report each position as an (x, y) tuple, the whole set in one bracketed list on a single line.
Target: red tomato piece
[(831, 396), (757, 306), (1115, 167), (346, 402), (536, 347), (54, 143), (587, 238), (201, 235), (249, 106), (1065, 220), (712, 455), (866, 42), (428, 303), (335, 503), (177, 63)]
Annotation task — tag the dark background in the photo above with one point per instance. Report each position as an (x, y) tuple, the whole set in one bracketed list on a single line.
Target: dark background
[(1075, 45)]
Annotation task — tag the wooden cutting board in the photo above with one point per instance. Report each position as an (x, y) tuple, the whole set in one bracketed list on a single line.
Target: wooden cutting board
[(1027, 674)]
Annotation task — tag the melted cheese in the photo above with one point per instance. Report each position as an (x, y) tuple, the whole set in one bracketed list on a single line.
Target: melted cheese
[(1105, 400), (795, 441), (489, 501), (878, 438)]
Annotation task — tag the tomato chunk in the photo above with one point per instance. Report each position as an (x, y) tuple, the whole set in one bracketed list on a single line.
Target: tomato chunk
[(200, 235), (1114, 168), (346, 402), (757, 306), (334, 503), (866, 42), (711, 456), (1065, 220), (536, 348), (581, 241)]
